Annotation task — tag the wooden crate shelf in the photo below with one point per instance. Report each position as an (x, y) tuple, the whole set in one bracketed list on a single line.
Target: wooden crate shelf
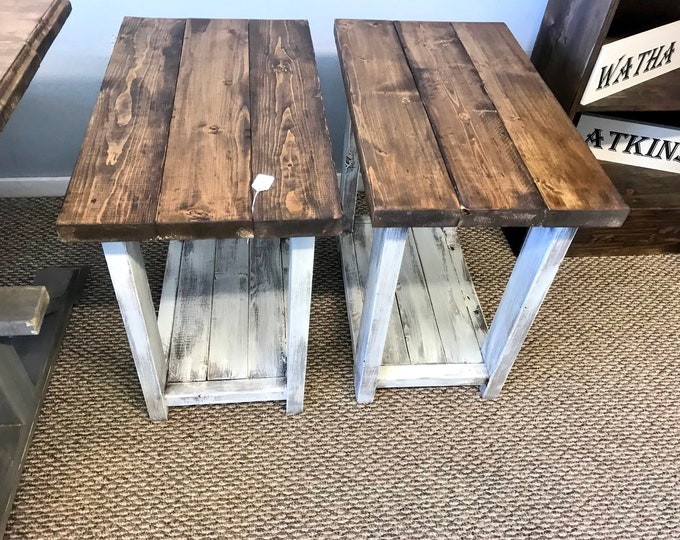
[(565, 53), (437, 326), (659, 94), (222, 320)]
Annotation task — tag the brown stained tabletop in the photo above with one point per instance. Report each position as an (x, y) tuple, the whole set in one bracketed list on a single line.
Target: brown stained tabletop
[(453, 125), (27, 29), (190, 111)]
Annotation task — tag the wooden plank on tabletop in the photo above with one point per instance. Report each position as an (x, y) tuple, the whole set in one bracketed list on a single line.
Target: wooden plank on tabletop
[(490, 178), (289, 134), (206, 181), (573, 185), (27, 30), (406, 179), (115, 184)]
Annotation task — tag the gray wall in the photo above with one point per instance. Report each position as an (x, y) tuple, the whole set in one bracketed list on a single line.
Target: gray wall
[(44, 134)]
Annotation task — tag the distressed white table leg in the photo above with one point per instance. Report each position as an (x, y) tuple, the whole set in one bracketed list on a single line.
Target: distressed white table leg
[(383, 269), (126, 266), (300, 269), (349, 178), (540, 257)]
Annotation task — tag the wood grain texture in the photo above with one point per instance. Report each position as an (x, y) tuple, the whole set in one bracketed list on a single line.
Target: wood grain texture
[(659, 94), (421, 375), (653, 225), (115, 184), (402, 167), (27, 29), (491, 180), (573, 185), (206, 180), (568, 44), (289, 134), (349, 178)]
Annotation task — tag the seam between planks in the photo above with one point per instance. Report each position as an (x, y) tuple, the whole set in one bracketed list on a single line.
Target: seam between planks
[(165, 149)]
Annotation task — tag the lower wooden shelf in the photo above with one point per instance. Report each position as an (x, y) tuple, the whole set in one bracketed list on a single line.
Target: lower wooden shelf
[(437, 325), (222, 320)]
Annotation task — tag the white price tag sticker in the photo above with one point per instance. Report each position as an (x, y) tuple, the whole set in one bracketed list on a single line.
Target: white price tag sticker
[(262, 182)]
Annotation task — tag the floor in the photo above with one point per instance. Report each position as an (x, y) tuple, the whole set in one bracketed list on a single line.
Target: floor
[(582, 443)]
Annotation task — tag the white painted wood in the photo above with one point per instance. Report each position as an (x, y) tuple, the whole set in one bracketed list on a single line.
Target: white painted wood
[(432, 375), (166, 308), (227, 391), (538, 262), (126, 267), (353, 290), (17, 391), (301, 265), (448, 292), (228, 358), (415, 309), (455, 310), (632, 143), (189, 345), (22, 310), (464, 282), (349, 177), (34, 186), (633, 60), (386, 254), (395, 350), (267, 324)]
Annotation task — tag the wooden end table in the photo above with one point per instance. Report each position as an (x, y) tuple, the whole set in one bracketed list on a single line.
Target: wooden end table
[(452, 126), (189, 113)]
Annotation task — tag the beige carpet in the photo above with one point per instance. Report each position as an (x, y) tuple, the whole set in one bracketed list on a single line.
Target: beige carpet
[(584, 441)]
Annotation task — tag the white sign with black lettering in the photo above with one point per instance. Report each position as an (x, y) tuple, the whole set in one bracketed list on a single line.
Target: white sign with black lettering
[(632, 143), (632, 60)]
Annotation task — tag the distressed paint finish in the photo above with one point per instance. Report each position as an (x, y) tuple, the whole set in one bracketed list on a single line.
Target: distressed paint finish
[(128, 275), (386, 255), (188, 359), (537, 264), (229, 329), (301, 264)]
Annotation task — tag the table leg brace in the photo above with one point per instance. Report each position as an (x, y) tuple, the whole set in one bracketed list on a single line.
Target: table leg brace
[(128, 275), (536, 266), (387, 251), (300, 269)]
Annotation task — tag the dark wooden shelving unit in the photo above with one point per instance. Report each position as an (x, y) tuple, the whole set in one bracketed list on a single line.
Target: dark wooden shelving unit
[(566, 50)]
